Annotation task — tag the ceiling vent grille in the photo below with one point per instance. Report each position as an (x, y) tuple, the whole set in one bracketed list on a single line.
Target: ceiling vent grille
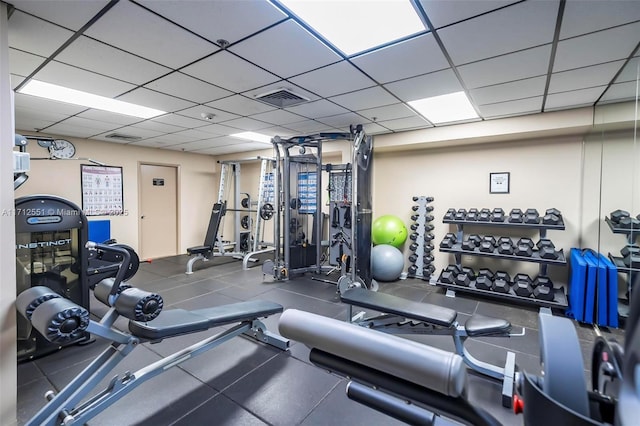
[(282, 98), (123, 137)]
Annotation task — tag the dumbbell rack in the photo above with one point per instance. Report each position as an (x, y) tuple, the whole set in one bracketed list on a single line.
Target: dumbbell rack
[(421, 238), (560, 298), (632, 273)]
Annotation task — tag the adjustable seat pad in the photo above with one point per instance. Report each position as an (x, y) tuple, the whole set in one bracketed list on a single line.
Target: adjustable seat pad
[(479, 325), (199, 249), (174, 322), (390, 304)]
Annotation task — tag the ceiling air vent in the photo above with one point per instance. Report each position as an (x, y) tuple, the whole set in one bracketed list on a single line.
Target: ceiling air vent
[(123, 137), (282, 98)]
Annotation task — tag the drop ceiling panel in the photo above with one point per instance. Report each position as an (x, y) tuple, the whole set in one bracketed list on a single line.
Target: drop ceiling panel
[(93, 125), (597, 75), (23, 63), (138, 131), (76, 78), (389, 112), (620, 91), (516, 66), (445, 12), (186, 87), (333, 79), (157, 126), (73, 17), (581, 17), (218, 129), (281, 131), (31, 123), (292, 50), (136, 30), (630, 72), (219, 19), (231, 149), (34, 35), (169, 139), (230, 72), (309, 127), (197, 111), (191, 135), (405, 124), (278, 117), (240, 105), (150, 143), (16, 80), (366, 98), (374, 129), (413, 57), (41, 104), (424, 86), (149, 98), (317, 109), (279, 85), (192, 146), (343, 121), (247, 124), (596, 48), (180, 120), (527, 88), (109, 117), (98, 57), (584, 97), (506, 109), (501, 32)]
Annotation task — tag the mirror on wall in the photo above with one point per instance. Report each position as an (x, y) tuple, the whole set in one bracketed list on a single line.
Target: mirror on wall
[(611, 186)]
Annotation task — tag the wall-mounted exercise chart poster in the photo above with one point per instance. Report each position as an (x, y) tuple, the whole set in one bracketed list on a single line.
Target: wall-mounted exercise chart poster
[(102, 190)]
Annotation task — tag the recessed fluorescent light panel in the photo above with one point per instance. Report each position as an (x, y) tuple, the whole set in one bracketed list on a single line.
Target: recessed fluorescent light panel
[(252, 136), (89, 100), (445, 108), (354, 26)]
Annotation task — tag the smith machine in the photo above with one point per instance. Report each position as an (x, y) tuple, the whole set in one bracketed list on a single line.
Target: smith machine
[(298, 225)]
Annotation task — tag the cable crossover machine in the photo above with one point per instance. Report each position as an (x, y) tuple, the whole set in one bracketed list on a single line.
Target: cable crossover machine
[(298, 224)]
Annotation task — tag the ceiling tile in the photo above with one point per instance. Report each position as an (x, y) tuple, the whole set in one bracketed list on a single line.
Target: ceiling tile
[(445, 12), (170, 139), (103, 137), (219, 19), (405, 124), (581, 17), (217, 129), (281, 131), (180, 120), (292, 50), (316, 109), (194, 134), (197, 111), (309, 127), (34, 35), (425, 86), (16, 80), (150, 143), (520, 89), (573, 99), (278, 117), (70, 130), (41, 104), (230, 72), (409, 58), (186, 87), (511, 108), (76, 78), (240, 105), (95, 56), (70, 14), (374, 129), (192, 146), (333, 79), (596, 48), (22, 63), (109, 117), (630, 72), (597, 75), (620, 92), (343, 120), (151, 99), (26, 122), (157, 126), (516, 66), (247, 124), (501, 32), (279, 85), (229, 149), (136, 30), (366, 98), (97, 126), (389, 112), (138, 131)]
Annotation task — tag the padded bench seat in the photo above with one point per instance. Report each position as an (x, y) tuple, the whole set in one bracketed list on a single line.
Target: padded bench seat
[(432, 314), (199, 250), (174, 322), (480, 325)]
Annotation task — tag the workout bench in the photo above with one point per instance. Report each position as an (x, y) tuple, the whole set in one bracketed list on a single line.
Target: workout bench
[(402, 316), (206, 250), (59, 320)]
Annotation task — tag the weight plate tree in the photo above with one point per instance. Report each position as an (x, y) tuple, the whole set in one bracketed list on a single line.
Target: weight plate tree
[(51, 234)]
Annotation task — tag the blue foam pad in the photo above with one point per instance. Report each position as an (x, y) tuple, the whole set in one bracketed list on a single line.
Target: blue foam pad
[(577, 285), (612, 287), (590, 290)]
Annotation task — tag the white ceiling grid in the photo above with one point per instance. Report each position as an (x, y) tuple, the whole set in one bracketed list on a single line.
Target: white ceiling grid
[(190, 57)]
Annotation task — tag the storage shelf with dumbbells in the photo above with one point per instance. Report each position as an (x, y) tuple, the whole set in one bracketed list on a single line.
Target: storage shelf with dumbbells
[(421, 237), (524, 249), (539, 291)]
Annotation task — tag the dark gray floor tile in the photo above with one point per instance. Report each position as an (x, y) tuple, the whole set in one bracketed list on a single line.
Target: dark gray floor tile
[(244, 292), (28, 372), (404, 291), (337, 408), (283, 390), (143, 277), (70, 356), (221, 411), (483, 393), (312, 288), (185, 292), (518, 315), (293, 300), (460, 303), (207, 300), (528, 344), (31, 398)]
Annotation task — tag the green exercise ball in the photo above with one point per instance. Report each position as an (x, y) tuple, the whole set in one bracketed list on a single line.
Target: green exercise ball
[(389, 229)]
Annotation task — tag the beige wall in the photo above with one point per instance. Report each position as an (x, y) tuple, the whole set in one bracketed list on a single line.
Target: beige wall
[(197, 191)]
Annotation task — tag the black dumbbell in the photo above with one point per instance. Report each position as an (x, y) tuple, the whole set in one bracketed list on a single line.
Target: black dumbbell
[(412, 270), (428, 248), (515, 216), (414, 226), (616, 215), (428, 237), (522, 285), (427, 270), (451, 236), (630, 249), (542, 281), (554, 212), (497, 215), (485, 272), (632, 260), (413, 258), (486, 246), (501, 282), (449, 273), (414, 236), (551, 219), (468, 245), (414, 246), (483, 282), (429, 227), (531, 216), (506, 248), (543, 293), (472, 215), (484, 215), (548, 251), (460, 214), (428, 258), (629, 223), (450, 214), (477, 239), (524, 247)]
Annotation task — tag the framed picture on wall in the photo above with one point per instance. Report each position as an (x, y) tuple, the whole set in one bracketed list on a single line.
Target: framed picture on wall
[(102, 193), (499, 183)]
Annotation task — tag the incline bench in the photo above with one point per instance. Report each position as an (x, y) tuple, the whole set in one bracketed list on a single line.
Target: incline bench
[(206, 250), (402, 316)]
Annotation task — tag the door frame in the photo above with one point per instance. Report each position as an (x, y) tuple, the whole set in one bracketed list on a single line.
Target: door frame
[(178, 201)]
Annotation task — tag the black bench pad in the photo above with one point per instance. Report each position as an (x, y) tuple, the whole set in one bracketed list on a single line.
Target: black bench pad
[(199, 249), (387, 303), (174, 322), (479, 325)]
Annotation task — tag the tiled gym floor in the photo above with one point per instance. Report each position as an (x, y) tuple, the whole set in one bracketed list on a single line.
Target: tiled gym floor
[(243, 382)]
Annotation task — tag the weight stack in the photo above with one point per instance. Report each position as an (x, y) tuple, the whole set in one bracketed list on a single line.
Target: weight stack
[(421, 236)]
